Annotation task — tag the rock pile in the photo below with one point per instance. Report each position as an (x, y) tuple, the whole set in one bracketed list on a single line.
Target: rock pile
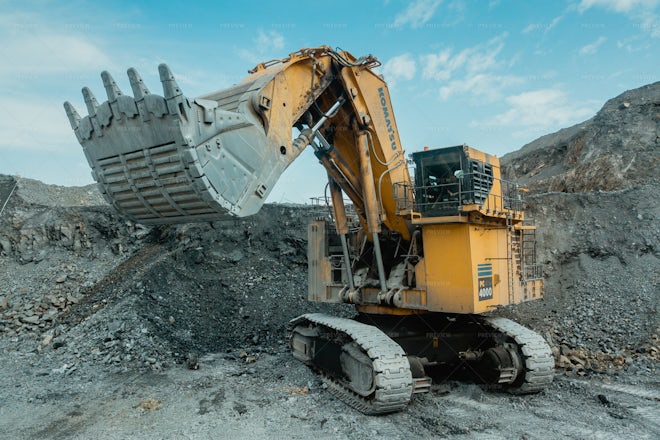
[(127, 296)]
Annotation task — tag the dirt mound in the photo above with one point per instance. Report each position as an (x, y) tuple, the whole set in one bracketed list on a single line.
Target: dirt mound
[(34, 192), (616, 149), (225, 286), (89, 332), (128, 296)]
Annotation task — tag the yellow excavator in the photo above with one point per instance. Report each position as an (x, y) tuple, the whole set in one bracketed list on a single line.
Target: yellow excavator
[(423, 259)]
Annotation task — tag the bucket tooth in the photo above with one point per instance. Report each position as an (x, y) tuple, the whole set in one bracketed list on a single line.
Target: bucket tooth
[(92, 106), (74, 117), (139, 89), (170, 88), (119, 103), (110, 85), (177, 104), (90, 101)]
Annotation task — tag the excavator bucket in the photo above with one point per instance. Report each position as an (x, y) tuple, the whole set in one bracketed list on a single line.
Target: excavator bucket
[(169, 159)]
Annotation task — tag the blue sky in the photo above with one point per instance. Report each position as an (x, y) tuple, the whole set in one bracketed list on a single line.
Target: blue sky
[(492, 74)]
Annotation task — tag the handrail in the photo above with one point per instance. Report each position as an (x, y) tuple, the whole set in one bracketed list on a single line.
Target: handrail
[(473, 189)]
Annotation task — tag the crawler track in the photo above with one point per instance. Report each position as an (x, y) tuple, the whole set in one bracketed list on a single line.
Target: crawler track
[(539, 364), (392, 376)]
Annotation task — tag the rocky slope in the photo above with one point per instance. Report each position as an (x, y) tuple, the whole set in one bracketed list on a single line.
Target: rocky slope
[(616, 149), (595, 196)]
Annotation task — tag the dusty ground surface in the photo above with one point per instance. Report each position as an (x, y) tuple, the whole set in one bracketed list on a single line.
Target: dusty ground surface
[(101, 320), (276, 397)]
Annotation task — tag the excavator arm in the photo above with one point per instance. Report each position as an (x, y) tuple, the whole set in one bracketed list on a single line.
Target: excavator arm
[(172, 159)]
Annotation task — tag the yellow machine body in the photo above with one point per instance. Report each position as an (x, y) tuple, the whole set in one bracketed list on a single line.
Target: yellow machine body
[(475, 251), (465, 269)]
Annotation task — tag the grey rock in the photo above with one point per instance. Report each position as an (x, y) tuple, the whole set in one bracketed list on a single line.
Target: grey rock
[(235, 256), (192, 361), (5, 246), (50, 314), (34, 319)]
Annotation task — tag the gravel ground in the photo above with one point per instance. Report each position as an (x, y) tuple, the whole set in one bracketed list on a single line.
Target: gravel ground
[(277, 397)]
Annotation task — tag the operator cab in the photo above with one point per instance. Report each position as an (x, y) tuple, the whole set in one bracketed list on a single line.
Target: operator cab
[(447, 178)]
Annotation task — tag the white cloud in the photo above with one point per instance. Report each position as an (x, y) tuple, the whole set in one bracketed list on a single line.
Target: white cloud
[(554, 22), (32, 48), (438, 66), (618, 5), (545, 27), (50, 53), (650, 23), (34, 124), (444, 64), (634, 44), (642, 12), (417, 14), (269, 41), (398, 68), (38, 56), (529, 28), (485, 86), (592, 48), (265, 45), (476, 68), (457, 6), (543, 109)]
